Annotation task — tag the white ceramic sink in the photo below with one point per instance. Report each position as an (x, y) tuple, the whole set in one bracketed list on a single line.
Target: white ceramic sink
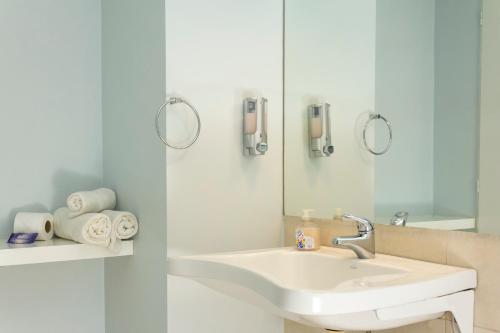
[(332, 289)]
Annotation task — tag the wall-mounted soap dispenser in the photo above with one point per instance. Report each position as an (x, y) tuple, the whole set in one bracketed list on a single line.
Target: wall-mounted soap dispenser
[(254, 126), (320, 135)]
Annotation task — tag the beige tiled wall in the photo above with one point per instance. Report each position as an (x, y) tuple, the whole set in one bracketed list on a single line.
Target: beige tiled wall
[(480, 252)]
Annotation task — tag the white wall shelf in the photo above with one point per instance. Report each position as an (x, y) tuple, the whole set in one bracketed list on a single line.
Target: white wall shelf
[(436, 222), (446, 223), (56, 250)]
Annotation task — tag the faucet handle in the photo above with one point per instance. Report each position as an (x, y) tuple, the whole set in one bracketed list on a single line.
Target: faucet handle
[(364, 225)]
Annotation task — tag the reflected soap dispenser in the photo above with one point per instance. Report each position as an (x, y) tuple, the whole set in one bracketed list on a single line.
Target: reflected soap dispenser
[(338, 217), (320, 132), (307, 236)]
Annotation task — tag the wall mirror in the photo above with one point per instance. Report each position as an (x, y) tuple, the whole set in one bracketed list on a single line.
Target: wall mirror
[(412, 88)]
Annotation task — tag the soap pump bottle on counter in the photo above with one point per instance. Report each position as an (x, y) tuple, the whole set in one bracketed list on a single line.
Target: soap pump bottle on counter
[(307, 234)]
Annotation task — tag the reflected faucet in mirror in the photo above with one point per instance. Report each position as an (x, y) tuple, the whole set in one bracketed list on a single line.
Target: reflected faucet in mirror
[(363, 244), (399, 219)]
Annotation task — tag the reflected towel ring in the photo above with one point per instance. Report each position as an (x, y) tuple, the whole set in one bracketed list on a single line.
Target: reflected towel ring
[(375, 116), (171, 101)]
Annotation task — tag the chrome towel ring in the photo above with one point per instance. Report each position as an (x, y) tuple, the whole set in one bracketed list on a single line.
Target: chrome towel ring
[(171, 101), (375, 116)]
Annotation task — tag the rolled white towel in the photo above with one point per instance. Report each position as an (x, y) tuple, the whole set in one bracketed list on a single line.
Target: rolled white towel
[(91, 201), (124, 224), (41, 223), (90, 228)]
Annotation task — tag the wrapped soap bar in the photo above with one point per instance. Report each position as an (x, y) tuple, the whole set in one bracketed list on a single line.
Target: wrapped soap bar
[(22, 238)]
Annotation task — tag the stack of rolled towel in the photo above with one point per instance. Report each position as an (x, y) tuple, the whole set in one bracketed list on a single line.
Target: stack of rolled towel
[(88, 219)]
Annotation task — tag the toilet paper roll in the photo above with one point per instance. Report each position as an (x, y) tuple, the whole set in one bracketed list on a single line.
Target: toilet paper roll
[(41, 223)]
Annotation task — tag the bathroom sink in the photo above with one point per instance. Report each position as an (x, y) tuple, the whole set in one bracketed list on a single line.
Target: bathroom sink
[(332, 289)]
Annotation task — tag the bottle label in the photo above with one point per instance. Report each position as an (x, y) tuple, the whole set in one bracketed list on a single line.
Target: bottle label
[(302, 241)]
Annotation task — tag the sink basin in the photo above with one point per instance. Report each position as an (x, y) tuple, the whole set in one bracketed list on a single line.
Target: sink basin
[(332, 289)]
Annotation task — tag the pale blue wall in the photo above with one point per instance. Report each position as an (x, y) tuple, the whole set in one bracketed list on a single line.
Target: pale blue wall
[(427, 79), (404, 93), (50, 103), (51, 138), (456, 131), (51, 145), (135, 160)]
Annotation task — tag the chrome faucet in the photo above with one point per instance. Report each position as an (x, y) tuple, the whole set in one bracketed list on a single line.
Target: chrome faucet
[(363, 244)]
